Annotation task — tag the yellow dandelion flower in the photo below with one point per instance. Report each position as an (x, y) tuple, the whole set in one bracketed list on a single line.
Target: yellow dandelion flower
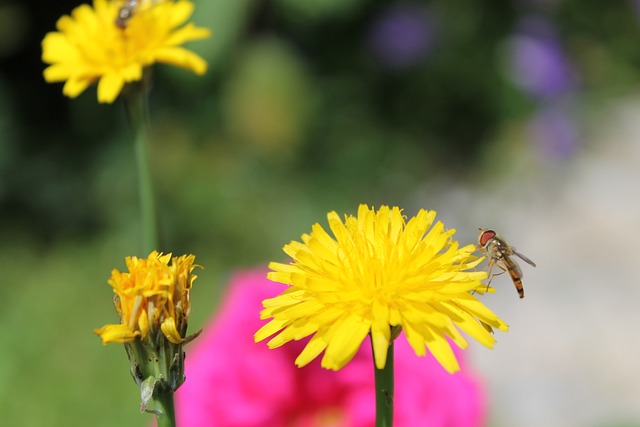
[(90, 46), (151, 298), (377, 274)]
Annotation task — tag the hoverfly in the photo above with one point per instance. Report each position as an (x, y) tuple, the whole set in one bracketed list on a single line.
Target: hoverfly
[(130, 8), (500, 253), (125, 13)]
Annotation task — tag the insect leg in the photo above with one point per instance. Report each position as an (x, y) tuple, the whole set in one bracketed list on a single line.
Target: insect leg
[(492, 264)]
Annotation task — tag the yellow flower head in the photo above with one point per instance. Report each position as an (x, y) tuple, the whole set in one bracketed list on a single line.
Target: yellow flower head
[(152, 297), (378, 273), (90, 46)]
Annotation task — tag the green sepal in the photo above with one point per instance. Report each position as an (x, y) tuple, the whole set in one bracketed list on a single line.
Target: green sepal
[(147, 388)]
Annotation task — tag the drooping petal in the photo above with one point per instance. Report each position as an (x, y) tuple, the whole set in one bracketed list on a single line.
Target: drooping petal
[(74, 87), (116, 333), (170, 331), (109, 87), (183, 58), (347, 336)]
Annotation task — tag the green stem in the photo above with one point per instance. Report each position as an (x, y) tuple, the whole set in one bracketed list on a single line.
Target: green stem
[(384, 391), (163, 403), (136, 102)]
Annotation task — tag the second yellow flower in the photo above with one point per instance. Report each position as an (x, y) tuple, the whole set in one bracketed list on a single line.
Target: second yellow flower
[(91, 47)]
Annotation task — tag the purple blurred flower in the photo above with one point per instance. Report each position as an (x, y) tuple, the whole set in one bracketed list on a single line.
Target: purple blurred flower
[(401, 36), (547, 4), (537, 62), (635, 5), (554, 130)]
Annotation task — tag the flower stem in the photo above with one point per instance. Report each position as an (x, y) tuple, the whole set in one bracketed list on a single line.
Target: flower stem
[(163, 403), (136, 104), (384, 391)]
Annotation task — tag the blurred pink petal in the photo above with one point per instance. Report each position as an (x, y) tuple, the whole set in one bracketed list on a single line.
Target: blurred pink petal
[(233, 382)]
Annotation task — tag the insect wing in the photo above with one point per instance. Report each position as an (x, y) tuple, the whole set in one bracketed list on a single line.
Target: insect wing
[(524, 258)]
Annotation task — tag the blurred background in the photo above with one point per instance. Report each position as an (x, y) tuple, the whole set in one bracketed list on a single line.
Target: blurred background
[(519, 115)]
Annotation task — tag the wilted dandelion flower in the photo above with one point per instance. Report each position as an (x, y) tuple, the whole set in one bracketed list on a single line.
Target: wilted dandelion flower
[(90, 46), (377, 274), (153, 303), (150, 298)]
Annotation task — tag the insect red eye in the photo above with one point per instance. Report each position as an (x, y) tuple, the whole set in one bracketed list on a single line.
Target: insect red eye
[(485, 236)]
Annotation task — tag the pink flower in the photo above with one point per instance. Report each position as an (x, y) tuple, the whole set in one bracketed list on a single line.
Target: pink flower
[(233, 382)]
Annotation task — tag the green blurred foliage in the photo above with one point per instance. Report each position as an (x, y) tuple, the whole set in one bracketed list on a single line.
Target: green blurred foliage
[(296, 116), (295, 92)]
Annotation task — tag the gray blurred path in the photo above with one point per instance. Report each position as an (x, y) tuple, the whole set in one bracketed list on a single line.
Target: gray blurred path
[(572, 356)]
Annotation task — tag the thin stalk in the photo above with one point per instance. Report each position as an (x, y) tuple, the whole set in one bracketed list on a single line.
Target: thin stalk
[(136, 103), (384, 391), (163, 403)]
